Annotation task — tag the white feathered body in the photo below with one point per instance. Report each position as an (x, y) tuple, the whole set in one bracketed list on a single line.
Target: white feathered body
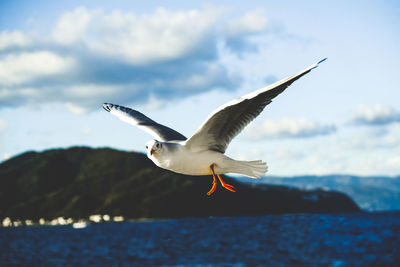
[(178, 158)]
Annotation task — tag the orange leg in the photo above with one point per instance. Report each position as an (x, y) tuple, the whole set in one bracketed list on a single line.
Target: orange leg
[(225, 185), (214, 185)]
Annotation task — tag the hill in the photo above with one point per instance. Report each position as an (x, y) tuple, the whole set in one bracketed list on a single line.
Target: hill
[(80, 181), (378, 193)]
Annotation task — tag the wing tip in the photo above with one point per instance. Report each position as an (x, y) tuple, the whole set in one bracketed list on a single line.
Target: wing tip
[(322, 60), (107, 106), (316, 64)]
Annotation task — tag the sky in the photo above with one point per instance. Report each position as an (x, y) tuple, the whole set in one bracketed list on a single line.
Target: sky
[(177, 61)]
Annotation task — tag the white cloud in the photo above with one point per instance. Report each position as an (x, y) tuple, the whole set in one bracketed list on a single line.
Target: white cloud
[(289, 128), (12, 40), (375, 115), (72, 26), (88, 90), (195, 81), (93, 56), (253, 21), (24, 67), (138, 39), (155, 103), (388, 140), (76, 109)]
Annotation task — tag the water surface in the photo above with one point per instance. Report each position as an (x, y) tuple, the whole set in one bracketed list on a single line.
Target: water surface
[(356, 239)]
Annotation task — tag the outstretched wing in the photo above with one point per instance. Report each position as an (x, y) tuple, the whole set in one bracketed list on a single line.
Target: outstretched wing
[(229, 120), (160, 132)]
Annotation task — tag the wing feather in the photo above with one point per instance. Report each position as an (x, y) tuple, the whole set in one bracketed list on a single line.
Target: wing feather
[(134, 117), (230, 119)]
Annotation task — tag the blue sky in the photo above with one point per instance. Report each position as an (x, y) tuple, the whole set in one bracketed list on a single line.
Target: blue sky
[(179, 60)]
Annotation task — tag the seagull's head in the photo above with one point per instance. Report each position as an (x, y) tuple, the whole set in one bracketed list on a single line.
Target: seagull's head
[(153, 147)]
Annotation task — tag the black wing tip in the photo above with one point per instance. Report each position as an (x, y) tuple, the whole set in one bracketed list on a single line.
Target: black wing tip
[(107, 106)]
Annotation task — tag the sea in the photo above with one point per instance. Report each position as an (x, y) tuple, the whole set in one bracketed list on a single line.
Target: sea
[(349, 239)]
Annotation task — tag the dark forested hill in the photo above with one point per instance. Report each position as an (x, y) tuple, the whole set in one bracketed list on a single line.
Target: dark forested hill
[(80, 181)]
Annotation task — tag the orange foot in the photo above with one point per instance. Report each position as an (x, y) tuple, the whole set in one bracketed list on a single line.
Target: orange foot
[(214, 185), (225, 185)]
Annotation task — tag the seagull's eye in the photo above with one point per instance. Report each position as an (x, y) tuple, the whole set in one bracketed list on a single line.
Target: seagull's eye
[(157, 145), (147, 147)]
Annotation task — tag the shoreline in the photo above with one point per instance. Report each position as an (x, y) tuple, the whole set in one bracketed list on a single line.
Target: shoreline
[(101, 219)]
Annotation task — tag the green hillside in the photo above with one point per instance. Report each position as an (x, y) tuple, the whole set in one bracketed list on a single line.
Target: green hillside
[(80, 181)]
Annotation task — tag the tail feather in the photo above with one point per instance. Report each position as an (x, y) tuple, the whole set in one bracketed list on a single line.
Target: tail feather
[(253, 169)]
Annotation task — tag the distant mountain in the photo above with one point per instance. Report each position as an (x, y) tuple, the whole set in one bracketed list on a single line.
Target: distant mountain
[(370, 193), (80, 181)]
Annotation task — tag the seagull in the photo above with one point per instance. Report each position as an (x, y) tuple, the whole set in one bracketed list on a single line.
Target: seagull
[(203, 152)]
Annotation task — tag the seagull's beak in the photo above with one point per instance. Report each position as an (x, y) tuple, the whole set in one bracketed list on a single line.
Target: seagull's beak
[(151, 151)]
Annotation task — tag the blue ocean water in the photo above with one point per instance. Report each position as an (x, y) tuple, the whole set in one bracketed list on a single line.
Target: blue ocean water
[(355, 239)]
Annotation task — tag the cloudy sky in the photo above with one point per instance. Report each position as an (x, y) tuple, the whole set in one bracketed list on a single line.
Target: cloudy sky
[(179, 60)]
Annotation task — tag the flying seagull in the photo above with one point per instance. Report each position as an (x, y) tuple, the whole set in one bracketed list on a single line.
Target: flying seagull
[(203, 152)]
